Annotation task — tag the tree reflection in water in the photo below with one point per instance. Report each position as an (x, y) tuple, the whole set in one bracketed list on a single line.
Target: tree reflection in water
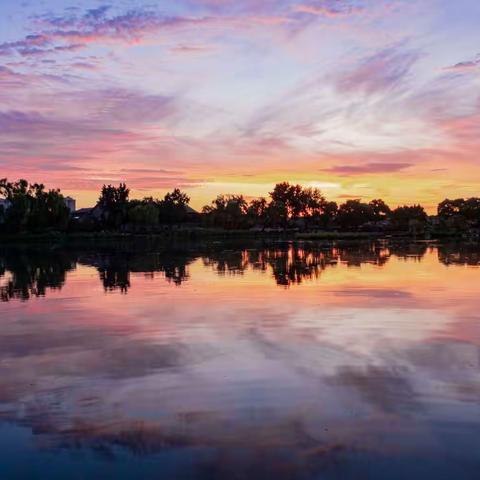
[(376, 365), (25, 274), (468, 254)]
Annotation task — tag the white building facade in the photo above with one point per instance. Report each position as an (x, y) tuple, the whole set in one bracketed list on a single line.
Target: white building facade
[(71, 204)]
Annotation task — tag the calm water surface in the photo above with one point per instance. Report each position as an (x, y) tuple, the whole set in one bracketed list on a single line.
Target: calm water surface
[(221, 362)]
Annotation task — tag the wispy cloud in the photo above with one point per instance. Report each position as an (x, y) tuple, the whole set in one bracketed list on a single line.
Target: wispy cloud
[(70, 32), (382, 71), (331, 9), (373, 168), (465, 66), (192, 49), (58, 33)]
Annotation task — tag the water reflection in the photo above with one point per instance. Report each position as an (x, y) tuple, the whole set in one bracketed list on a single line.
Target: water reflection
[(33, 274), (209, 367), (468, 254), (25, 275)]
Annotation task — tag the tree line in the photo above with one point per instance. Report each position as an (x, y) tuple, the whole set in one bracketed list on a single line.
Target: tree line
[(116, 209), (291, 205), (31, 207)]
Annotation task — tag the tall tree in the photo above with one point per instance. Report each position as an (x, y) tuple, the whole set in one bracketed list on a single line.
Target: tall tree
[(469, 209), (114, 204), (294, 201), (173, 208), (228, 211), (143, 213), (257, 211), (409, 217), (354, 213), (48, 210), (31, 207), (380, 210)]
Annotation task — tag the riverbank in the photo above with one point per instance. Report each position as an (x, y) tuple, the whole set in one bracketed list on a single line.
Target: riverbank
[(172, 234)]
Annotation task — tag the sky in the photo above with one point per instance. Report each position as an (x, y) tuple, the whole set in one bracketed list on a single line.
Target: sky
[(361, 98)]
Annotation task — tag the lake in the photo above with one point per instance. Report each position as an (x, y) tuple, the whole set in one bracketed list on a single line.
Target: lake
[(255, 361)]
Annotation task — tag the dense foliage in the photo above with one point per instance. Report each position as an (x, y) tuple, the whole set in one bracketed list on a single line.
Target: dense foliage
[(306, 208), (459, 214), (31, 208)]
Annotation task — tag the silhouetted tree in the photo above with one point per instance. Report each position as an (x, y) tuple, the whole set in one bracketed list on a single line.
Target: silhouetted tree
[(48, 210), (460, 212), (412, 218), (285, 202), (20, 198), (144, 213), (471, 209), (31, 207), (114, 204), (313, 205), (257, 211), (228, 211), (354, 213), (449, 208), (290, 202), (276, 214), (289, 196), (380, 210), (173, 208), (329, 215)]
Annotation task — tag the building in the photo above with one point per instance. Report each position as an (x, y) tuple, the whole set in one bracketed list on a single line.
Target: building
[(192, 215), (88, 214), (82, 213), (71, 204)]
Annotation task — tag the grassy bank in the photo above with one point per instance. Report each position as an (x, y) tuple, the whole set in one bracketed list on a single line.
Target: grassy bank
[(320, 235), (53, 238), (99, 238)]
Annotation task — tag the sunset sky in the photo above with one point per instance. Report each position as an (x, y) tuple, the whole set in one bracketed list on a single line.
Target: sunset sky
[(362, 98)]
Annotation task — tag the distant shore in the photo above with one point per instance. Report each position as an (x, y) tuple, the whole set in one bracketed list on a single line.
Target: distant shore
[(199, 233), (30, 213)]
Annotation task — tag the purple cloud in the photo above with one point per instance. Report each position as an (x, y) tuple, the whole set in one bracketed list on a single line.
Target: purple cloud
[(75, 30), (465, 66), (72, 32), (97, 13), (29, 42), (330, 9), (369, 168), (380, 72)]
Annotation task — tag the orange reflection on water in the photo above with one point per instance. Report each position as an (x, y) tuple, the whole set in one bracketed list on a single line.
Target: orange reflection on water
[(301, 347)]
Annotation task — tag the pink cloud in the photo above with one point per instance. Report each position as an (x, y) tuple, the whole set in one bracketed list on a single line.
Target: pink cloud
[(465, 66), (330, 11), (84, 66), (464, 131), (66, 32), (372, 168), (72, 32), (192, 49), (380, 72)]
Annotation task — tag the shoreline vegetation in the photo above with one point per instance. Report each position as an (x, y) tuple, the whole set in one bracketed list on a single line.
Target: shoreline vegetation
[(30, 213), (107, 238)]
